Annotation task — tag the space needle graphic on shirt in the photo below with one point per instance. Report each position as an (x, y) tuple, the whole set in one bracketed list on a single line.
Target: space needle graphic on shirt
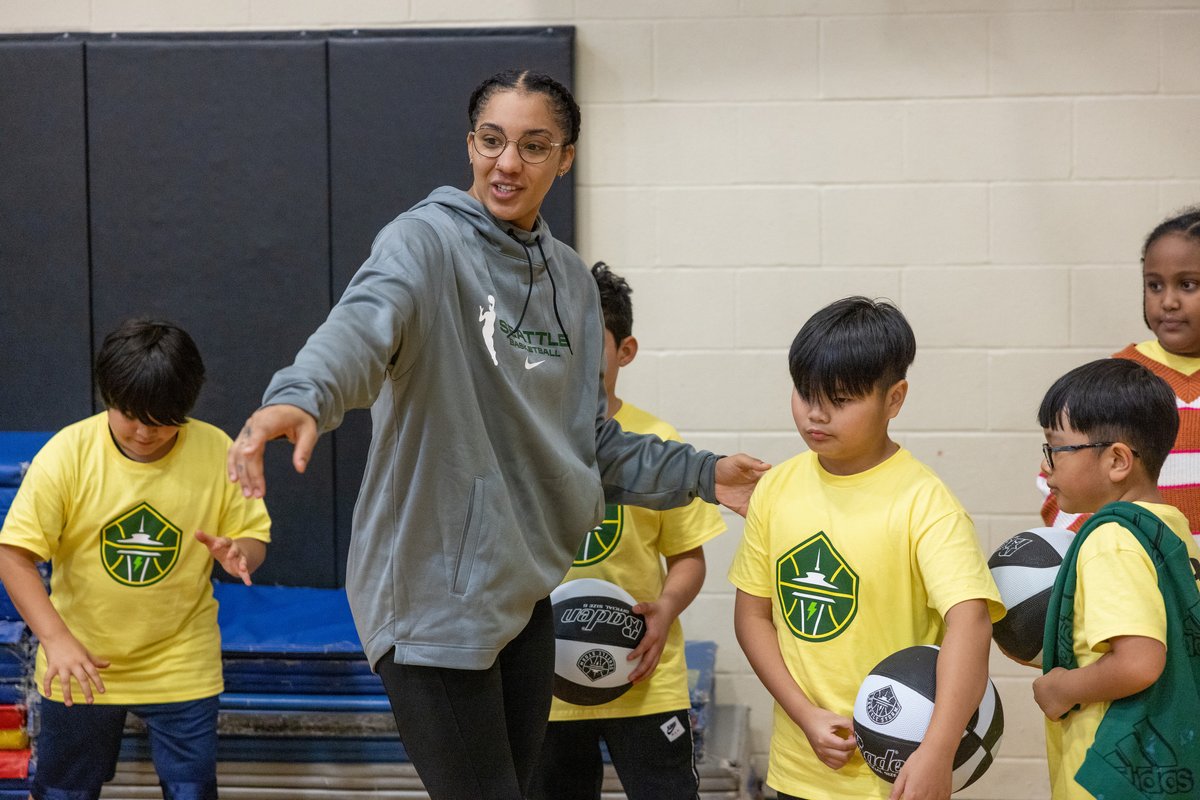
[(139, 551), (817, 603), (145, 555), (817, 589)]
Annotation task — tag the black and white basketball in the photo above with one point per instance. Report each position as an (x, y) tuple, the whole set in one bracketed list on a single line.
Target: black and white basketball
[(893, 709), (595, 630), (1024, 568)]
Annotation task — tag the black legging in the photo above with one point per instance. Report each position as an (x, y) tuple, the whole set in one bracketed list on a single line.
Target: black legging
[(476, 734)]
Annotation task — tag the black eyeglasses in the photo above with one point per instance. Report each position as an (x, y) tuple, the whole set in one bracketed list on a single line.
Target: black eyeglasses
[(1048, 451), (532, 148)]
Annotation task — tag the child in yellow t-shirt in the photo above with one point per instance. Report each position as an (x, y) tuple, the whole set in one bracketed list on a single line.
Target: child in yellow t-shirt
[(1109, 426), (647, 729), (130, 507), (885, 553)]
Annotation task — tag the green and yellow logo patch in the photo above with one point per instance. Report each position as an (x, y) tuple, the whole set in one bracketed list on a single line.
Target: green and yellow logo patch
[(139, 547), (818, 591), (602, 539)]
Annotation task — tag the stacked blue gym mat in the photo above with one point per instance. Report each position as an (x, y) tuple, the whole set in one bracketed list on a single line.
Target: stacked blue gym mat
[(297, 685), (303, 716), (18, 648)]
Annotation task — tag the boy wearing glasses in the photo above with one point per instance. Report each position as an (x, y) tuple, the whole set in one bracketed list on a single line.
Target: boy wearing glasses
[(852, 551), (1121, 657)]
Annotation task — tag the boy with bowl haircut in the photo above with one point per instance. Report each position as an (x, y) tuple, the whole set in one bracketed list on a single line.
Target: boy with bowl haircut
[(1122, 641), (886, 555), (131, 507)]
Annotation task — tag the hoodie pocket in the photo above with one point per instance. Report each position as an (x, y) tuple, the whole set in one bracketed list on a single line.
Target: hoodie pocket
[(469, 543)]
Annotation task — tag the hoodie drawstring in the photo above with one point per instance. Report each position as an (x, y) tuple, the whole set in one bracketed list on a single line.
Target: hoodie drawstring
[(553, 289), (554, 298), (517, 328)]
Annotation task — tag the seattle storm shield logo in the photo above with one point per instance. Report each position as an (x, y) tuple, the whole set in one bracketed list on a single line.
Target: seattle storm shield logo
[(818, 591), (602, 539), (139, 547)]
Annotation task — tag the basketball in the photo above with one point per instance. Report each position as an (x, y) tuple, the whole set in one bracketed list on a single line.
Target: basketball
[(1024, 568), (595, 630), (893, 709)]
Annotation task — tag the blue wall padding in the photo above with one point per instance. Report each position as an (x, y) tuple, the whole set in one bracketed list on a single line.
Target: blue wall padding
[(46, 360)]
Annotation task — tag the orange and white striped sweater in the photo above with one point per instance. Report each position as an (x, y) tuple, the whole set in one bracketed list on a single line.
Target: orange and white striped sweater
[(1179, 481)]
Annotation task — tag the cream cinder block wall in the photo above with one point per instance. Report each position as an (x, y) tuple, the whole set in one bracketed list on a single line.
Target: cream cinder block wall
[(991, 165)]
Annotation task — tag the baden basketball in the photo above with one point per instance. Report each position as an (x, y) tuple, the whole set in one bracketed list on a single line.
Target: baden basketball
[(1024, 568), (893, 709), (595, 630)]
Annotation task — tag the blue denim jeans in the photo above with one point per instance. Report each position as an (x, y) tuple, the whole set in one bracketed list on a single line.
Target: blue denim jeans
[(78, 746)]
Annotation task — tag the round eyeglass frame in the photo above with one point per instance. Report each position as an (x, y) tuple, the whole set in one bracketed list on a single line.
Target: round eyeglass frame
[(520, 152)]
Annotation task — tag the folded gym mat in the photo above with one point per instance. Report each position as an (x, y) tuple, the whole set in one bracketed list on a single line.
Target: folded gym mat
[(7, 493), (285, 620), (17, 449), (14, 763), (263, 748), (12, 717), (298, 682), (725, 772), (353, 665), (306, 675), (14, 635), (13, 739), (304, 702)]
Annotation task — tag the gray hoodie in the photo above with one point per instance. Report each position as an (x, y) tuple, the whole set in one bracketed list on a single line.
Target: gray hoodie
[(479, 348)]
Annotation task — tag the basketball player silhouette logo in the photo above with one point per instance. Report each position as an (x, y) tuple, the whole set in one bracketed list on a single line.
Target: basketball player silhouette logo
[(488, 318)]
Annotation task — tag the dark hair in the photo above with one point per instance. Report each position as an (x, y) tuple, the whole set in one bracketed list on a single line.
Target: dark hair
[(563, 105), (850, 347), (150, 370), (1185, 223), (1116, 400), (614, 301)]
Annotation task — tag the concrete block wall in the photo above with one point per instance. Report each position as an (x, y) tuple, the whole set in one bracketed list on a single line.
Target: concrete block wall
[(991, 165)]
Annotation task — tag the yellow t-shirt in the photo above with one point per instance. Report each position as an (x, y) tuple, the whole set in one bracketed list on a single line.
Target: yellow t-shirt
[(627, 549), (857, 567), (1116, 594), (1184, 365), (128, 576)]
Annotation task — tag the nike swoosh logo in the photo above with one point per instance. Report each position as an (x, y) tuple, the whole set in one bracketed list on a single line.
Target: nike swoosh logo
[(531, 365)]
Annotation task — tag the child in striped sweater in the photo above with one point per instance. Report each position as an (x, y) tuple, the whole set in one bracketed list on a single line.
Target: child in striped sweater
[(1171, 308)]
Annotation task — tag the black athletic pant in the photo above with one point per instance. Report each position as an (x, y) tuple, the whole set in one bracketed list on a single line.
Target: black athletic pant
[(476, 734), (652, 755)]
